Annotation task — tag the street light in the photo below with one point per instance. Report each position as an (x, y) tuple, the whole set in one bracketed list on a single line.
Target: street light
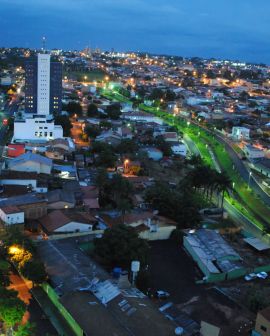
[(250, 173)]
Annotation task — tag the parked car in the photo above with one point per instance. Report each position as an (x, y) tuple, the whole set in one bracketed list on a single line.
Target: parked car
[(250, 276), (262, 275), (160, 294)]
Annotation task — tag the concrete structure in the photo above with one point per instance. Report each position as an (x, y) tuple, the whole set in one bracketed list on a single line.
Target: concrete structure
[(263, 167), (216, 259), (240, 133), (11, 215)]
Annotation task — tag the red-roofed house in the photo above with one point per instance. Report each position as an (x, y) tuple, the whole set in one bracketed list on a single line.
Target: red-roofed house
[(11, 215), (15, 150)]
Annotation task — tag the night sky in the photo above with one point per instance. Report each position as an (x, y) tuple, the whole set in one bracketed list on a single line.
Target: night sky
[(235, 29)]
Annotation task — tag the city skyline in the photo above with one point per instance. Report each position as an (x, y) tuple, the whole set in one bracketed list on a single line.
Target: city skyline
[(224, 30)]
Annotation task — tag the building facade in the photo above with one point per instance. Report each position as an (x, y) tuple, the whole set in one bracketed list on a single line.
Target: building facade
[(43, 85)]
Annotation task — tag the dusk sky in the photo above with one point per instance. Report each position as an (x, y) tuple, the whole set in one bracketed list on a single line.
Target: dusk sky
[(235, 29)]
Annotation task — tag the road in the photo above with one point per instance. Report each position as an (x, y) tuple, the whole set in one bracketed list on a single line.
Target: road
[(239, 165), (76, 132)]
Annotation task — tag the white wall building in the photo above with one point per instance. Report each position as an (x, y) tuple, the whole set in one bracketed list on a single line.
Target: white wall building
[(240, 133), (36, 127), (43, 84), (11, 215), (179, 149), (253, 153)]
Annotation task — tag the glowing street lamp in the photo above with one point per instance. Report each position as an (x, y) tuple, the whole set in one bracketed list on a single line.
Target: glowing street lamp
[(250, 173)]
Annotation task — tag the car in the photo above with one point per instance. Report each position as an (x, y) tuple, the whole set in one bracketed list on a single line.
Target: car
[(250, 276), (160, 294), (262, 275)]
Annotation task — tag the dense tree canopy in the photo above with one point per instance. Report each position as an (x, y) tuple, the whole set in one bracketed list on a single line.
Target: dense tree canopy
[(119, 246)]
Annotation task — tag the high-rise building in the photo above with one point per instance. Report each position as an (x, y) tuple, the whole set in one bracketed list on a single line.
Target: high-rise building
[(43, 98), (43, 85)]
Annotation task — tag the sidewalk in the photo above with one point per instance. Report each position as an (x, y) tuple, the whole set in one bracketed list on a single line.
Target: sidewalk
[(52, 313)]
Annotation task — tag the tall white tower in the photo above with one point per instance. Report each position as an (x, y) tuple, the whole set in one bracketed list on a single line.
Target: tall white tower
[(43, 84)]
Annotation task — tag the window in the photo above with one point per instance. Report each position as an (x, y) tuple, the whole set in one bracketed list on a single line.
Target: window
[(263, 328), (51, 134)]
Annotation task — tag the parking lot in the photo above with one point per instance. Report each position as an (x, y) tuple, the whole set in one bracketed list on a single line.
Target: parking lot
[(174, 271)]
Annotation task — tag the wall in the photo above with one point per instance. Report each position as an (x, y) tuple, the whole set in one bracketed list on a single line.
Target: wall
[(161, 234), (74, 226), (15, 218), (19, 182), (261, 321), (66, 315)]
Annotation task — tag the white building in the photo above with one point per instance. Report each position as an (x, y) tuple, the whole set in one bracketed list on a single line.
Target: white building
[(253, 153), (39, 125), (11, 215), (240, 133), (36, 127), (179, 149)]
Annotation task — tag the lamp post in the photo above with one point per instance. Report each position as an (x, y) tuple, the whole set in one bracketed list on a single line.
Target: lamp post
[(250, 173)]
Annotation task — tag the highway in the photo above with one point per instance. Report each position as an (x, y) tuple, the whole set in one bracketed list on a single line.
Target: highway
[(239, 165)]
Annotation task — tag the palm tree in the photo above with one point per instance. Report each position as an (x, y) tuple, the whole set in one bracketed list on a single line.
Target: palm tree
[(223, 185)]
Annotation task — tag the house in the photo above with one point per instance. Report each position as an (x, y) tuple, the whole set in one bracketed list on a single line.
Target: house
[(153, 153), (11, 215), (31, 162), (262, 325), (59, 221), (142, 117), (110, 137), (170, 136), (63, 144), (240, 133), (214, 256), (125, 132), (148, 225), (31, 180), (33, 205), (90, 197), (15, 150), (60, 199), (253, 153), (262, 166), (179, 148)]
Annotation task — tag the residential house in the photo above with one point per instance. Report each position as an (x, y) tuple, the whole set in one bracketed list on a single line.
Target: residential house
[(179, 148), (60, 199), (33, 205), (240, 133), (59, 221), (253, 153), (15, 150), (31, 162), (153, 153), (31, 180), (110, 137), (11, 215)]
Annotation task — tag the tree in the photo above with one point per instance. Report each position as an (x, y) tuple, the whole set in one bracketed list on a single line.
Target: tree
[(170, 95), (74, 108), (156, 94), (92, 131), (244, 96), (163, 145), (64, 121), (92, 110), (224, 185), (26, 329), (114, 111), (12, 308), (119, 246), (35, 271), (127, 146), (106, 159)]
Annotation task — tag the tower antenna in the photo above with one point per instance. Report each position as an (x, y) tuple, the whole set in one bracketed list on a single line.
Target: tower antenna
[(43, 44)]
